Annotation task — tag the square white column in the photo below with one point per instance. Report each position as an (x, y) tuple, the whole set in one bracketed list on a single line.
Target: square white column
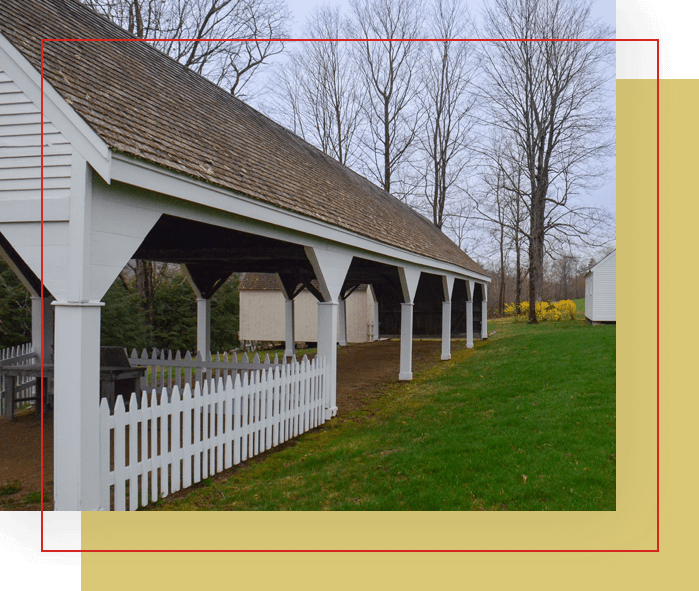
[(47, 328), (469, 324), (342, 321), (327, 347), (446, 331), (406, 342), (204, 326), (376, 320), (76, 407), (289, 334), (484, 320)]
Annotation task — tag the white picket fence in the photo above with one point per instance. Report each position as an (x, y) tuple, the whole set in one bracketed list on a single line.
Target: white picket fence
[(168, 368), (179, 439), (26, 387)]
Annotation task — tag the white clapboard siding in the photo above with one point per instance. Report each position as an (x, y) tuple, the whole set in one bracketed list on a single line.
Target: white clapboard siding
[(20, 149), (600, 290), (223, 424)]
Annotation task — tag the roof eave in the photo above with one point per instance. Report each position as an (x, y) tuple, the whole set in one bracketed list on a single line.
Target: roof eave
[(152, 177)]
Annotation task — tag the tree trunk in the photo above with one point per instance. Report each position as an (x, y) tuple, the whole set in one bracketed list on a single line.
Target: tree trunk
[(386, 148), (536, 250), (518, 245), (518, 270), (145, 284)]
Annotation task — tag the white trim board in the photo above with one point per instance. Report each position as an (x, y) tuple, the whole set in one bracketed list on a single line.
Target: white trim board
[(278, 223)]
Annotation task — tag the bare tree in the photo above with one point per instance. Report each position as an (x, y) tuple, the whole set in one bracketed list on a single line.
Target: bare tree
[(179, 25), (148, 275), (388, 71), (446, 101), (519, 227), (566, 270), (319, 98), (550, 97), (498, 205), (493, 207), (459, 226), (500, 213)]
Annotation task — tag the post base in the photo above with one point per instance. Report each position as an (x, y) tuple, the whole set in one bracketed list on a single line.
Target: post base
[(330, 413), (446, 357), (405, 376)]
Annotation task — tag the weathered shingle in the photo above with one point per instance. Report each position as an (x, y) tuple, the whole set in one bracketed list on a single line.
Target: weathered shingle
[(144, 104)]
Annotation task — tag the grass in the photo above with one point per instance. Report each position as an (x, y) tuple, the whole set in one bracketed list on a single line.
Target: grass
[(31, 502), (10, 488), (11, 501), (525, 421)]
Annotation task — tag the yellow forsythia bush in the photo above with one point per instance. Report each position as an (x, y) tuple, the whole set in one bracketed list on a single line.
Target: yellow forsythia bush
[(551, 311)]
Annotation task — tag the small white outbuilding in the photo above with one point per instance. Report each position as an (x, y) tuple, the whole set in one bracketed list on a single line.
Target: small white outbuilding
[(600, 290), (262, 313)]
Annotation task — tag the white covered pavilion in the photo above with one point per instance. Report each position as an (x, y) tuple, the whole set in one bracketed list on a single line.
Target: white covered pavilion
[(142, 158)]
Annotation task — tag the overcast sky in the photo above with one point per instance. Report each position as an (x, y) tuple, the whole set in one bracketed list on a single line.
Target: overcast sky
[(604, 10)]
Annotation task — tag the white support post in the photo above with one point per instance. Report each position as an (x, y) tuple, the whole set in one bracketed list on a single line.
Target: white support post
[(327, 347), (342, 321), (409, 279), (289, 333), (484, 312), (376, 320), (76, 418), (448, 288), (76, 407), (446, 331), (470, 287), (204, 326), (406, 342), (469, 324), (47, 328), (330, 268)]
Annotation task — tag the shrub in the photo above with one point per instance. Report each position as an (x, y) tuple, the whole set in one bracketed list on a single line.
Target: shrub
[(545, 311)]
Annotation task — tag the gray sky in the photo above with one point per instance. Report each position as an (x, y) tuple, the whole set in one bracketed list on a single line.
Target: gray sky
[(604, 10)]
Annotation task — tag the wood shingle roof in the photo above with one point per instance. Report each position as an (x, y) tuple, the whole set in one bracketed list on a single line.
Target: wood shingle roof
[(144, 104)]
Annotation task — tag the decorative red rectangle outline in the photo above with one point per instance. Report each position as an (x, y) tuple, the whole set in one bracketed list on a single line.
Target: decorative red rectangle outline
[(657, 164)]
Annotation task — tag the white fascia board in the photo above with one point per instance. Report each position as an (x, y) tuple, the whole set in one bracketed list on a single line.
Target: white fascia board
[(292, 226), (56, 109)]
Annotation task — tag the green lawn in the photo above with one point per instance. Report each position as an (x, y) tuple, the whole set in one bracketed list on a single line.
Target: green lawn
[(525, 421)]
